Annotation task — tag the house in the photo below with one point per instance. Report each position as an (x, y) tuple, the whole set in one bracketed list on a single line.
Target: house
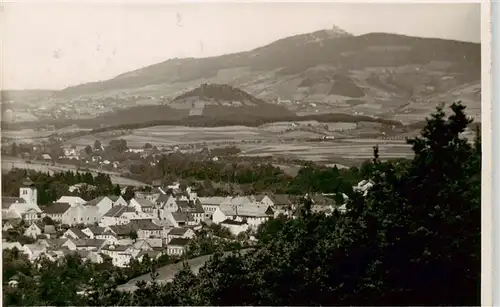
[(146, 229), (151, 196), (179, 219), (56, 211), (81, 214), (72, 200), (140, 245), (75, 233), (198, 214), (120, 254), (237, 201), (49, 231), (177, 246), (34, 230), (253, 214), (182, 233), (122, 231), (103, 205), (264, 199), (93, 232), (234, 226), (89, 244), (210, 204), (46, 157), (167, 203), (142, 205), (10, 224), (118, 200), (12, 245), (115, 216), (34, 251), (58, 244)]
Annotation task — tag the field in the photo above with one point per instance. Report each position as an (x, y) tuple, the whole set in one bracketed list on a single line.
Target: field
[(26, 135), (331, 151), (298, 140), (10, 163)]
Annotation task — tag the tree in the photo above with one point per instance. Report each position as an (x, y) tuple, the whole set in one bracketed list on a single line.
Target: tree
[(413, 239), (133, 235), (119, 146), (148, 146), (88, 149), (14, 151), (97, 145), (47, 221), (129, 194)]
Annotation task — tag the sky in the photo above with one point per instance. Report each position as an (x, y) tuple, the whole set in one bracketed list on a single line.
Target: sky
[(53, 45)]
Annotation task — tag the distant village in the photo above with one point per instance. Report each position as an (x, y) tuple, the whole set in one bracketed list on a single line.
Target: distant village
[(155, 223)]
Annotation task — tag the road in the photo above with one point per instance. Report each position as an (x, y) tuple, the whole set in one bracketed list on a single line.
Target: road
[(167, 273), (10, 162)]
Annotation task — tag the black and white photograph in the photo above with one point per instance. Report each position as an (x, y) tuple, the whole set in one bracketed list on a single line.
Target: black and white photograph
[(242, 153)]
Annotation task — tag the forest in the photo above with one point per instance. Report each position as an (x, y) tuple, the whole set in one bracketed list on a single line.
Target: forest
[(414, 239)]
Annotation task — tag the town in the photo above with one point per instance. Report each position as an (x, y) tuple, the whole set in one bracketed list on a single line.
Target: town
[(159, 222)]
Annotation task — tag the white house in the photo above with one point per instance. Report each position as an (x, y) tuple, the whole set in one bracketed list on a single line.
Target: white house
[(89, 244), (235, 227), (210, 204), (34, 251), (102, 203), (72, 200), (181, 233), (120, 254), (152, 196), (12, 245), (177, 246), (118, 200), (223, 213), (167, 203), (264, 199), (198, 213), (142, 205), (56, 211), (253, 214), (81, 214), (147, 229), (33, 231), (75, 233), (237, 201), (94, 231), (9, 224), (116, 216)]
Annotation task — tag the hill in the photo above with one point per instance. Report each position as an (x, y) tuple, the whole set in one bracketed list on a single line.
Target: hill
[(329, 71), (222, 101)]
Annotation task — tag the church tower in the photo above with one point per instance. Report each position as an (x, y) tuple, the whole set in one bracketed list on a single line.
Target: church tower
[(28, 192)]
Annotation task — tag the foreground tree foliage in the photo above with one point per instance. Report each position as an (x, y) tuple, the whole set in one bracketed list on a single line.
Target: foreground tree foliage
[(414, 239)]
